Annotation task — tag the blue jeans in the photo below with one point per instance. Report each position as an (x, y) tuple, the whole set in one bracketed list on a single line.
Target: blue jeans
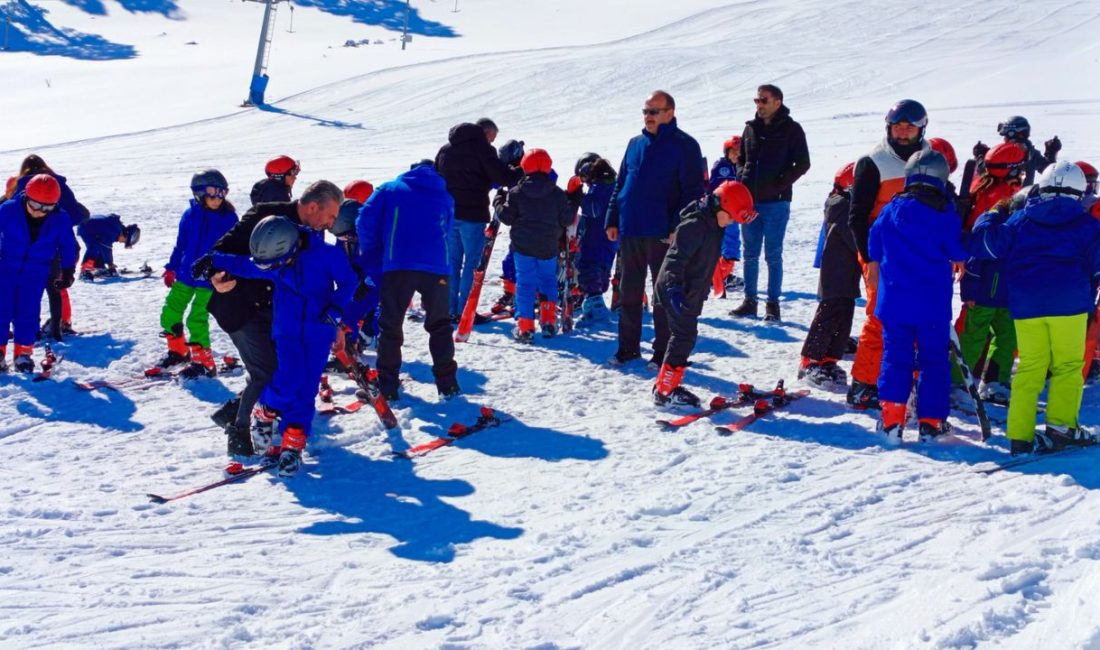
[(465, 243), (534, 276), (767, 232)]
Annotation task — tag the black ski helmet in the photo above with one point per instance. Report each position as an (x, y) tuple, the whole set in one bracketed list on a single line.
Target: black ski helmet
[(274, 241), (586, 159), (1016, 128), (907, 110), (344, 225), (205, 178), (927, 168)]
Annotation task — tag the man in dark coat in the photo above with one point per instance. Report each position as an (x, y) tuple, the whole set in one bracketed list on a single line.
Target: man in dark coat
[(662, 172), (471, 168), (773, 156)]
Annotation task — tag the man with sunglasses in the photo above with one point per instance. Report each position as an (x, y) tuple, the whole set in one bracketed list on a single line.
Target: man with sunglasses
[(32, 233), (773, 155), (662, 172), (281, 173), (243, 307), (1017, 129)]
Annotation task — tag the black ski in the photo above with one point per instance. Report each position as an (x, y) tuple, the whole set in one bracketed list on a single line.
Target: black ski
[(971, 386), (1028, 459)]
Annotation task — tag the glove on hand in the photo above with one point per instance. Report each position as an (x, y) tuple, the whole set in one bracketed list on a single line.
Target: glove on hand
[(1051, 148), (169, 278), (203, 268), (980, 150)]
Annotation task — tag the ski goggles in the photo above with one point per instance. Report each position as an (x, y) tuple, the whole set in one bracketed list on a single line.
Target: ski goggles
[(41, 207), (213, 192)]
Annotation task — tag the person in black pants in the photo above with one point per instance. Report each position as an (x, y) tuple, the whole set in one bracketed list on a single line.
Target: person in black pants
[(684, 281), (837, 290), (410, 255), (662, 172), (242, 308)]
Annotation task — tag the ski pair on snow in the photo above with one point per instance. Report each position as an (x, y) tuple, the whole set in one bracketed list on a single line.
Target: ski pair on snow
[(746, 394)]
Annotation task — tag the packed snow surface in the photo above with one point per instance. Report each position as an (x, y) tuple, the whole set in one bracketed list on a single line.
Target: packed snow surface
[(579, 523)]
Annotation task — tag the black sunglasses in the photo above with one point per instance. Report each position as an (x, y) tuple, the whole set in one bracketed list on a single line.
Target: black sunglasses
[(653, 111), (41, 207)]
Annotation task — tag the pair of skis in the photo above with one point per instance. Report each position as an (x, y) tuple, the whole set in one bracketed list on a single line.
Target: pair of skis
[(367, 379), (763, 402), (152, 377), (469, 311)]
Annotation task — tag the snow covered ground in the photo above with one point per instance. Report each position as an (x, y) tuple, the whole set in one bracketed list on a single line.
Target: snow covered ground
[(579, 523)]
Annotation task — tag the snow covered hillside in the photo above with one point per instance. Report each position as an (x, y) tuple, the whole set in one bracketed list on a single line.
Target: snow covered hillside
[(579, 523)]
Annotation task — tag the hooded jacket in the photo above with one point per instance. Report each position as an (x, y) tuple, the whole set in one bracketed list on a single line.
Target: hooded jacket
[(773, 156), (471, 168), (403, 226), (199, 229), (538, 212)]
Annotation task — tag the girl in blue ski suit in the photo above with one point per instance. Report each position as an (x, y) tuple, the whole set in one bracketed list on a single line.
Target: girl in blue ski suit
[(28, 246), (311, 292)]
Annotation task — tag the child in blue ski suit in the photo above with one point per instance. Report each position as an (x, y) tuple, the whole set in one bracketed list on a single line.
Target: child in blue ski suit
[(597, 253), (916, 246), (312, 289), (364, 304), (32, 233), (100, 233)]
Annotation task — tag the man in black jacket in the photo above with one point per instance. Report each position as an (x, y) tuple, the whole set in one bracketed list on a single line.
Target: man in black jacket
[(471, 167), (773, 156), (243, 307)]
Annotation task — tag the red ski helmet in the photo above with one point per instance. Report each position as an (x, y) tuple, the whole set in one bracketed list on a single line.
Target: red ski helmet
[(43, 189), (735, 200), (278, 168), (535, 161), (1088, 170), (732, 143), (845, 176), (1004, 160), (358, 191), (947, 151)]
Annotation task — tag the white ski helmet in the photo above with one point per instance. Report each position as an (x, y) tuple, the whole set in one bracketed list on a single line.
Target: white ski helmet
[(1062, 178)]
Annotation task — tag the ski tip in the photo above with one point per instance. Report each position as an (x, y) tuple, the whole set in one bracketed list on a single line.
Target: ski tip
[(156, 498)]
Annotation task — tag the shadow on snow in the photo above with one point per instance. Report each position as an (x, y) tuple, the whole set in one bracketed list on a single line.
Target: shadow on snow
[(30, 31), (389, 14)]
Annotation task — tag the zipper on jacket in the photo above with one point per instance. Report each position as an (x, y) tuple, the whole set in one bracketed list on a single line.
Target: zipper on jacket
[(993, 289), (393, 231)]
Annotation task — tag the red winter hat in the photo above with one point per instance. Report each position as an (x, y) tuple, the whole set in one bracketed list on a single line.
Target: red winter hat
[(358, 191), (536, 160), (44, 189), (735, 200), (947, 151), (845, 176), (282, 166), (732, 143)]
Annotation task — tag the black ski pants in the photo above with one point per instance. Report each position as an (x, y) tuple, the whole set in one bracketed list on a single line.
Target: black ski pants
[(683, 328), (257, 350), (638, 255), (830, 329), (398, 288)]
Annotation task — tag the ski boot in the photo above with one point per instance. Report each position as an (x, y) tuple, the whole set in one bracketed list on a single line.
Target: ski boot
[(524, 331), (931, 429), (227, 413), (263, 428), (548, 318), (1021, 447), (177, 348), (448, 388), (892, 423), (863, 396), (23, 360), (1057, 437), (506, 303), (667, 391), (238, 441), (290, 454), (594, 310), (3, 358), (202, 363), (733, 283), (994, 392)]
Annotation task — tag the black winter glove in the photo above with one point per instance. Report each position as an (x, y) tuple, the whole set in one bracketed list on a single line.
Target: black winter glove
[(980, 150), (499, 199), (1051, 148), (68, 276), (203, 268), (511, 152)]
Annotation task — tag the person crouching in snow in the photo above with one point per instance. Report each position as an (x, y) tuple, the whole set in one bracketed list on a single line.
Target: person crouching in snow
[(837, 290), (915, 253), (684, 280), (32, 233), (1050, 253), (209, 216), (100, 233), (313, 284), (538, 212)]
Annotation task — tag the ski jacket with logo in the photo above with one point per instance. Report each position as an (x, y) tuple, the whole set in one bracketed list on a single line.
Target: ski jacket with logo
[(403, 226)]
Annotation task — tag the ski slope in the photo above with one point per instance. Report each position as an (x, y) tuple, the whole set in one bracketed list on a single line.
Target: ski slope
[(579, 523)]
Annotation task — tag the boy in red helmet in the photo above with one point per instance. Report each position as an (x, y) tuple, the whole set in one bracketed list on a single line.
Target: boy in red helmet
[(684, 280), (538, 212), (281, 174), (837, 290), (32, 232)]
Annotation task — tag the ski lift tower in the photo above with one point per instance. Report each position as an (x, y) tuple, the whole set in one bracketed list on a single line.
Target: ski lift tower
[(263, 51)]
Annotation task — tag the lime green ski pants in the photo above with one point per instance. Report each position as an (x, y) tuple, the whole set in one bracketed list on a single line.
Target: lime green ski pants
[(1057, 344), (198, 322)]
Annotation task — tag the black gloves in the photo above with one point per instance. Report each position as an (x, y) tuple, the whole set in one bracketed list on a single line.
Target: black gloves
[(68, 276), (1051, 148), (203, 268), (980, 150)]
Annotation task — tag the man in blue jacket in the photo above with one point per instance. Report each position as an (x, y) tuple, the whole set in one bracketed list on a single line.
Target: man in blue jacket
[(403, 229), (661, 173)]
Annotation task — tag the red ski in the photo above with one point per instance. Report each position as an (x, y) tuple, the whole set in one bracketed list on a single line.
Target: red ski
[(367, 378), (466, 323), (488, 418), (746, 394), (236, 472), (761, 408)]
